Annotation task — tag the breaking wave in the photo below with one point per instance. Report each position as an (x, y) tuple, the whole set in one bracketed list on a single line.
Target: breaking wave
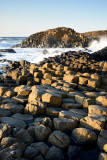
[(96, 45)]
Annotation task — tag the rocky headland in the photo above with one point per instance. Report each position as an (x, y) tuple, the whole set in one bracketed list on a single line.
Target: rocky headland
[(95, 34), (60, 38), (56, 110)]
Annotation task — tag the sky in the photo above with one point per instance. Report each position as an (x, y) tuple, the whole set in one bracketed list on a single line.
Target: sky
[(25, 17)]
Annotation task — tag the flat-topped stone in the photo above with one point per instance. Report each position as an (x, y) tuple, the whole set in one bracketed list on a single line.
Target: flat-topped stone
[(64, 124), (24, 117), (52, 99), (13, 108), (71, 105), (75, 114), (51, 111), (83, 136), (102, 100), (96, 109), (13, 122), (94, 123)]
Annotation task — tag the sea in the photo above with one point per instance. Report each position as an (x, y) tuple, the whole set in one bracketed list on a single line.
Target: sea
[(35, 55)]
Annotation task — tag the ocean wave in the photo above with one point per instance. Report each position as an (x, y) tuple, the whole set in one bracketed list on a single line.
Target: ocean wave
[(96, 45)]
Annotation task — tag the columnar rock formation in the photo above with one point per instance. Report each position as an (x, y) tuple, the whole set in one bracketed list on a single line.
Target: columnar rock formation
[(60, 37), (55, 110), (95, 34)]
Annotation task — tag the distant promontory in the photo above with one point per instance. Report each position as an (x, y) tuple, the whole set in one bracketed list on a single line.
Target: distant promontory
[(60, 37)]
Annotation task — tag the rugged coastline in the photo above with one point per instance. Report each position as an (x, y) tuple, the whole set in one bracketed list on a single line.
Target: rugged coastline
[(61, 37), (54, 110)]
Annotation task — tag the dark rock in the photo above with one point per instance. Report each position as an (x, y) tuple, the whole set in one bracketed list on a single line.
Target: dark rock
[(5, 130), (101, 55), (30, 152), (14, 151), (24, 136), (7, 50), (54, 153)]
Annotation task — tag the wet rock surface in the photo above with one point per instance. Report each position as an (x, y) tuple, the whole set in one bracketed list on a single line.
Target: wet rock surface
[(54, 110), (7, 51)]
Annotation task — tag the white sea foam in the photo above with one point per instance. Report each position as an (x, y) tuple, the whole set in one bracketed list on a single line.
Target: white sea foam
[(34, 55), (96, 45)]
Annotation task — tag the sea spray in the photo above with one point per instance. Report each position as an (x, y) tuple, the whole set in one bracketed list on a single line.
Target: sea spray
[(96, 45)]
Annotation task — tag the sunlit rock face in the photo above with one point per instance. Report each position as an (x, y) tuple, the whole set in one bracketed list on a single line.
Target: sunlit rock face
[(59, 37)]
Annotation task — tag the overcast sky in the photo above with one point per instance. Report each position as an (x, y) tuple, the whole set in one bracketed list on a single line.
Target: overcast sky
[(25, 17)]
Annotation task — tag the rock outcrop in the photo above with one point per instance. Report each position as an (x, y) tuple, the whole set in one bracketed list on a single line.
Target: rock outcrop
[(59, 37), (7, 51), (95, 34)]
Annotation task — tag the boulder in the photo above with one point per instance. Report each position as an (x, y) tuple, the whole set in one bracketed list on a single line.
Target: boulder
[(54, 153), (83, 136), (47, 76), (75, 114), (64, 124), (16, 150), (30, 152), (94, 123), (36, 94), (93, 83), (13, 108), (52, 99), (5, 130), (79, 99), (42, 132), (8, 141), (102, 140), (71, 78), (46, 121), (13, 122), (83, 81), (96, 77), (59, 139), (102, 100), (24, 90), (41, 147), (96, 109), (24, 136), (35, 108)]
